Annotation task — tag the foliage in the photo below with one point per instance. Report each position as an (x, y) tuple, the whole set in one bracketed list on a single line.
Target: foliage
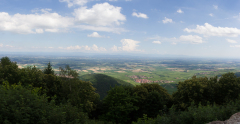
[(151, 100), (22, 106), (48, 69), (103, 83), (195, 114), (119, 104), (9, 71), (203, 90)]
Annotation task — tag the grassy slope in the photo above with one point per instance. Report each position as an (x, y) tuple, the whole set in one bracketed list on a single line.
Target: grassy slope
[(102, 83)]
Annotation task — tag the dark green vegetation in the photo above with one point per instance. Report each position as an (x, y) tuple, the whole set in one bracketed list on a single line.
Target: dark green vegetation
[(30, 95), (102, 83)]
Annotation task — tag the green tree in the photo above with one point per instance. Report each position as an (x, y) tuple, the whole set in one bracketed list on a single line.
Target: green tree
[(119, 104), (9, 71), (20, 105), (48, 69), (151, 100), (78, 93)]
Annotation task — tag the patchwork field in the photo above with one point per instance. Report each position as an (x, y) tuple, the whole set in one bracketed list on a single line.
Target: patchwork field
[(166, 72)]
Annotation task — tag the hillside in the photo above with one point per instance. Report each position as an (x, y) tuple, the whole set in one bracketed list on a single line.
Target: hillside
[(102, 83)]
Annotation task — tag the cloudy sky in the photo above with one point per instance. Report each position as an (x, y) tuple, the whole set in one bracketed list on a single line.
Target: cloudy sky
[(202, 28)]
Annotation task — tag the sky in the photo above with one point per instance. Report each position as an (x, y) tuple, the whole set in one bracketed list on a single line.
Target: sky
[(200, 28)]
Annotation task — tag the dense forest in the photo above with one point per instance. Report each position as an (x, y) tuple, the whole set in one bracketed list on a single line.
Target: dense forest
[(34, 96)]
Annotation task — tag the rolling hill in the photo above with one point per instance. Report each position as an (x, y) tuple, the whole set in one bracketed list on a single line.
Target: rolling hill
[(102, 83)]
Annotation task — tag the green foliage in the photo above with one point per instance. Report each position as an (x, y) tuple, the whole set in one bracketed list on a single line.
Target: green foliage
[(9, 71), (21, 106), (203, 90), (195, 115), (48, 69), (119, 103), (103, 83), (152, 100)]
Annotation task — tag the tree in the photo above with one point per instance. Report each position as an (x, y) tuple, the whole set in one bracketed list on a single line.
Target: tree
[(151, 100), (203, 90), (78, 93), (48, 69), (9, 71), (119, 104)]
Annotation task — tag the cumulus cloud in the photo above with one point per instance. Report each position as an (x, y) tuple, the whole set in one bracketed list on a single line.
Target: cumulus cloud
[(215, 6), (140, 15), (231, 41), (194, 39), (96, 48), (180, 11), (209, 30), (34, 23), (127, 45), (167, 20), (100, 15), (75, 2), (156, 42), (211, 14), (94, 34)]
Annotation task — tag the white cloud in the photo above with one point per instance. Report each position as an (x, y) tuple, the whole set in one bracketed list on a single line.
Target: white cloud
[(112, 0), (167, 20), (127, 45), (75, 2), (73, 47), (1, 45), (102, 28), (100, 15), (114, 48), (180, 11), (34, 23), (94, 34), (191, 38), (140, 15), (84, 48), (156, 42), (128, 0), (209, 30), (215, 6), (173, 43), (238, 46), (231, 41), (95, 48), (211, 14)]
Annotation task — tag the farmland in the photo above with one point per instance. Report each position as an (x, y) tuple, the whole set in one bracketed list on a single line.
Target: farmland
[(165, 71)]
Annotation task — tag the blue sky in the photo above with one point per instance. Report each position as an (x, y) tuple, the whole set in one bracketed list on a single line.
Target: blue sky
[(201, 28)]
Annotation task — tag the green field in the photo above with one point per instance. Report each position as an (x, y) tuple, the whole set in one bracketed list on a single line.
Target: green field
[(166, 72)]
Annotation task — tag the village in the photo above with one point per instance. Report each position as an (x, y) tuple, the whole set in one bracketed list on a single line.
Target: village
[(142, 79)]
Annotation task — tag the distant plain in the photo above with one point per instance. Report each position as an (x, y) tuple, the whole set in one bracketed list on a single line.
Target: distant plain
[(165, 71)]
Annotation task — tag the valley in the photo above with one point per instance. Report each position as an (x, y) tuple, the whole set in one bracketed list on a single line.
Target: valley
[(164, 71)]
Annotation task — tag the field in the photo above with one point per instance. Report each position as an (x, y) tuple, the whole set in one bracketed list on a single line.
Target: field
[(167, 72)]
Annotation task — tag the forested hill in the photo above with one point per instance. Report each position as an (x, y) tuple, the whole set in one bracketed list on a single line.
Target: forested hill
[(103, 83)]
